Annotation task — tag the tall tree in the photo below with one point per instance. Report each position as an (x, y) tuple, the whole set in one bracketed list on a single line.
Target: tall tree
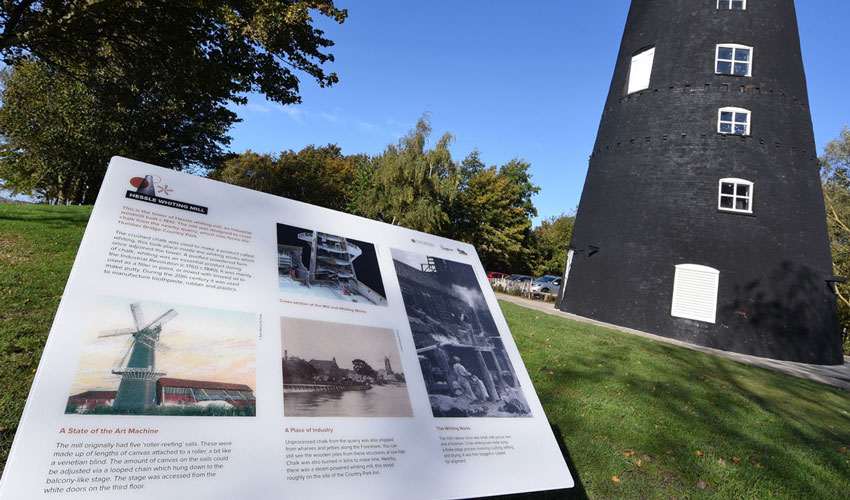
[(550, 242), (163, 71), (516, 171), (492, 212), (317, 175), (363, 368), (59, 132), (43, 126), (223, 48), (835, 176), (409, 185)]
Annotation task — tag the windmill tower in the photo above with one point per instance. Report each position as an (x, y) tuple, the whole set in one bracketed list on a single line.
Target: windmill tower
[(137, 367), (702, 216)]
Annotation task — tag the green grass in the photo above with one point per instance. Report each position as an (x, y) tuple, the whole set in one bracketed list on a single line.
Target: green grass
[(625, 407), (662, 418), (37, 248)]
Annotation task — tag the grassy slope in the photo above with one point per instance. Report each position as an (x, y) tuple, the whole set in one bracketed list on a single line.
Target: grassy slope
[(626, 406), (662, 418), (37, 248)]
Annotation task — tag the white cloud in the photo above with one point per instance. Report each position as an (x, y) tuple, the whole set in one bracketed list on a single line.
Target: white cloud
[(295, 113), (371, 128), (257, 107), (366, 126), (397, 129), (331, 118)]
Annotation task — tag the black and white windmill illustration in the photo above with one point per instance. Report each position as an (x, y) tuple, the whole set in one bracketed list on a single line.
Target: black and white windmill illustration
[(137, 366)]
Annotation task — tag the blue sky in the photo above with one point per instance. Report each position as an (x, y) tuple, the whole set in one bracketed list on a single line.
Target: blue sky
[(507, 78)]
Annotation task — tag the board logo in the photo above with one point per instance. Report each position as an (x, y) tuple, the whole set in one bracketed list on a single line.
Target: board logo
[(150, 189), (149, 185)]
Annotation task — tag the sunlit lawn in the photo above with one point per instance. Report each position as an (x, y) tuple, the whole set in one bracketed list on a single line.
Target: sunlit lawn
[(38, 244), (645, 419), (640, 419)]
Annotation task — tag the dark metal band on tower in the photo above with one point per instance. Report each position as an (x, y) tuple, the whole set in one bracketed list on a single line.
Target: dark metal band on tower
[(702, 216)]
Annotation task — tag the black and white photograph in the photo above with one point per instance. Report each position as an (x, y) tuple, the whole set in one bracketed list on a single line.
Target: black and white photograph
[(341, 370), (328, 266), (466, 368)]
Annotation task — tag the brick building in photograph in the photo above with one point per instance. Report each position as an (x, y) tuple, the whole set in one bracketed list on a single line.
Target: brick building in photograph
[(178, 392), (87, 400)]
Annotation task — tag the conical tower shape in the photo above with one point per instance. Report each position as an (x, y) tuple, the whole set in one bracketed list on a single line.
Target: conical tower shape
[(137, 390), (702, 216)]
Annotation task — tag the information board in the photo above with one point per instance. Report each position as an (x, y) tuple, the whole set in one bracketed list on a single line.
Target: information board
[(218, 342)]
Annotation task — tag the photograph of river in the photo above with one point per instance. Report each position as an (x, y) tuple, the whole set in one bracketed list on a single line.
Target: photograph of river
[(379, 401), (341, 370)]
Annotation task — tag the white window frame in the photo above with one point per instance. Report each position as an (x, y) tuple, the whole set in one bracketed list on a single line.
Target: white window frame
[(735, 196), (640, 70), (743, 5), (735, 112), (695, 292), (735, 48)]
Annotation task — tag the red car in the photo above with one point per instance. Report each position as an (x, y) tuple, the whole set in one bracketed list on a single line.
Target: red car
[(494, 275)]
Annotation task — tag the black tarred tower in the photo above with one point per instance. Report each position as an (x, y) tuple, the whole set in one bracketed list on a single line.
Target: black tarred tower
[(702, 216)]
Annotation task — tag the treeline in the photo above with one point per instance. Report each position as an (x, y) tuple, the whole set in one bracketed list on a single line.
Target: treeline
[(419, 186), (153, 81), (835, 177), (157, 82)]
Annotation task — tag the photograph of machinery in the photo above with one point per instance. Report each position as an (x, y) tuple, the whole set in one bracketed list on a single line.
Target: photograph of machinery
[(325, 265), (466, 368)]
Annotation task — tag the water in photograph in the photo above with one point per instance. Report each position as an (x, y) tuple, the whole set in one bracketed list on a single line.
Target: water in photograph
[(379, 401)]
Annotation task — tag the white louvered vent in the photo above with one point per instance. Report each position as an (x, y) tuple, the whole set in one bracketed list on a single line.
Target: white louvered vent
[(695, 292)]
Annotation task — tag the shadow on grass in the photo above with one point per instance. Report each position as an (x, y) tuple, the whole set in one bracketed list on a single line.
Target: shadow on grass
[(773, 423), (577, 492)]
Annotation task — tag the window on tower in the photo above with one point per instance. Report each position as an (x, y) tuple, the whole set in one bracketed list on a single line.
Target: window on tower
[(734, 59), (735, 195), (734, 121), (732, 4), (640, 70)]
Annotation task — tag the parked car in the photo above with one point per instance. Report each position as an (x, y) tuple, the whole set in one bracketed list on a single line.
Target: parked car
[(495, 275), (519, 278), (546, 284)]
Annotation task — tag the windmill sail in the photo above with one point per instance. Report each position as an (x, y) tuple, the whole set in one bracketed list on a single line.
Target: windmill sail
[(153, 343), (120, 362), (161, 320), (137, 367), (138, 316), (116, 332)]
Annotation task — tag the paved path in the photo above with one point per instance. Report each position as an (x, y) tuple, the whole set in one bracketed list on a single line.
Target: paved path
[(838, 376)]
